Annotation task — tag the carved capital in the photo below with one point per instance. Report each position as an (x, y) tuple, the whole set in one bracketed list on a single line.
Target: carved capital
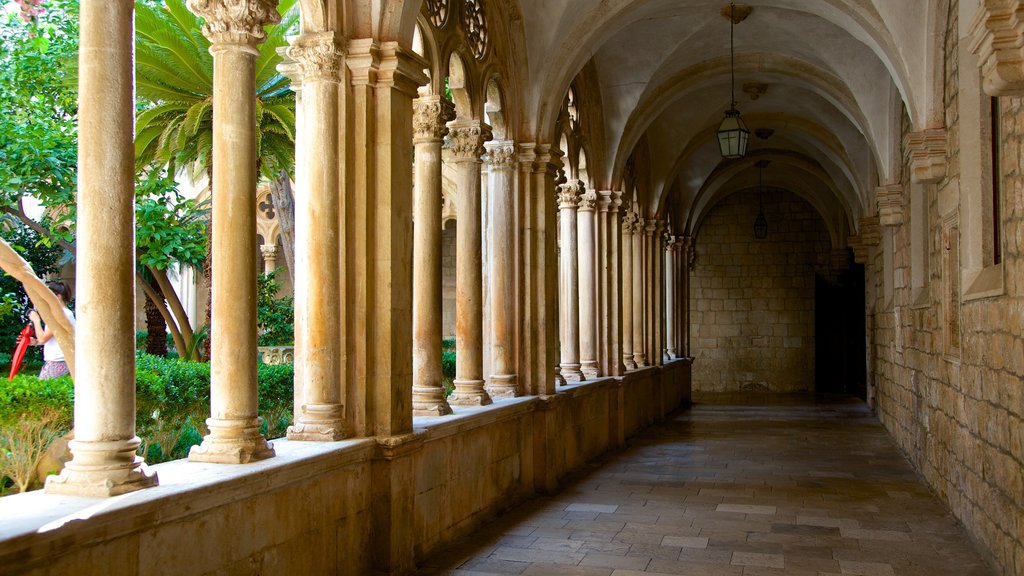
[(890, 205), (500, 155), (430, 118), (317, 56), (238, 22), (997, 38), (466, 141), (588, 200), (569, 194), (649, 226), (268, 250), (928, 155), (616, 201), (604, 201)]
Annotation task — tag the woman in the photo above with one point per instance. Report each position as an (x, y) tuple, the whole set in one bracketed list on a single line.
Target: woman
[(53, 357)]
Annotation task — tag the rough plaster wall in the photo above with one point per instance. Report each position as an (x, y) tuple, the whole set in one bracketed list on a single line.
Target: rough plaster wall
[(753, 300), (954, 400)]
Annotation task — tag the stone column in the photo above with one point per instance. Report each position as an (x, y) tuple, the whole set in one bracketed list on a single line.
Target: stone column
[(688, 248), (568, 285), (269, 252), (586, 221), (501, 158), (639, 301), (601, 261), (658, 293), (468, 139), (612, 285), (105, 463), (430, 115), (234, 28), (627, 292), (317, 234), (543, 270), (670, 297)]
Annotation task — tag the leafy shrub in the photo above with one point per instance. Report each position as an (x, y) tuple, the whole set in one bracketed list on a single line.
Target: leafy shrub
[(448, 364), (448, 344), (23, 443), (275, 316)]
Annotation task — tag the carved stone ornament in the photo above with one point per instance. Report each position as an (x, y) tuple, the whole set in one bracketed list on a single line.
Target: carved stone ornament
[(235, 21), (569, 194), (500, 155), (997, 38), (430, 117), (588, 201), (317, 55), (928, 158), (437, 11), (467, 142), (890, 205), (475, 23)]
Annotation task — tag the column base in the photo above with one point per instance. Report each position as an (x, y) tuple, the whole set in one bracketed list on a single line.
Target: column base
[(572, 373), (503, 386), (627, 361), (319, 423), (429, 401), (640, 360), (232, 442), (559, 379), (469, 393), (590, 369), (101, 470)]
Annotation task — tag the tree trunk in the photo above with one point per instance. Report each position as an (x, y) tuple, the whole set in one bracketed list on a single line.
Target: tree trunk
[(284, 204), (156, 330), (154, 295)]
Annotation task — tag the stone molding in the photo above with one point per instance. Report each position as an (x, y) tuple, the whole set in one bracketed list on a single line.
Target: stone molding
[(317, 55), (616, 201), (996, 36), (870, 234), (500, 155), (928, 155), (430, 118), (466, 141), (238, 22), (890, 205)]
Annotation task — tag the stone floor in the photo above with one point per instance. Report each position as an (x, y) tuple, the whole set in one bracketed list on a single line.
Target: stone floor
[(731, 487)]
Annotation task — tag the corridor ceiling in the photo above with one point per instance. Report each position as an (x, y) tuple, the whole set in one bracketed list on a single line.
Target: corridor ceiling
[(838, 76)]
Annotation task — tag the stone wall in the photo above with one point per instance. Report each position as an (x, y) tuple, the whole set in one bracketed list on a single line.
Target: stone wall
[(358, 507), (948, 367), (752, 301)]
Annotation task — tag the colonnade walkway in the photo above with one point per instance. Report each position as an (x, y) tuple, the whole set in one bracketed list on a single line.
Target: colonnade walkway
[(793, 485)]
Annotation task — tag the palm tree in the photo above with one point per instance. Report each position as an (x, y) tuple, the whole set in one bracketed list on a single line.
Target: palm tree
[(174, 128)]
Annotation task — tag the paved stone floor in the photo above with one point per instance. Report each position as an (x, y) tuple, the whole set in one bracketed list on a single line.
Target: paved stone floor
[(791, 485)]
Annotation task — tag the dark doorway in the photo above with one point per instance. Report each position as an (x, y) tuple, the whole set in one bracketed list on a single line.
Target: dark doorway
[(840, 360)]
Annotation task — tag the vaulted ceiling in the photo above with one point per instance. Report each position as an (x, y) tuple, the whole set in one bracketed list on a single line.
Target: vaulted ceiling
[(837, 78)]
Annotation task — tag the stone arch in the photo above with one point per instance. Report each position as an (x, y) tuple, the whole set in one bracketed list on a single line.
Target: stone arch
[(495, 110), (460, 83)]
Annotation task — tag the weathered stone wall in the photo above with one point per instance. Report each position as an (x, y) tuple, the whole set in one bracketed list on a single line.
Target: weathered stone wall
[(752, 301), (949, 369)]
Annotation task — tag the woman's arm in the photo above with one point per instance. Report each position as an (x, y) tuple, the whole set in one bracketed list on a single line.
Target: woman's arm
[(42, 336)]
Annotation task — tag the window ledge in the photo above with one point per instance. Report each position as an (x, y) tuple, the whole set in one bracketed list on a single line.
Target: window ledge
[(984, 283)]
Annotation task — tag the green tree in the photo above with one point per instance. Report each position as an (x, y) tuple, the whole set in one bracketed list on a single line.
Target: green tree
[(174, 82)]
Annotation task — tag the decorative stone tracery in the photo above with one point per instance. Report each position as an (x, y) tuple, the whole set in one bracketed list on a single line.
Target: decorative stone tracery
[(475, 23), (437, 11)]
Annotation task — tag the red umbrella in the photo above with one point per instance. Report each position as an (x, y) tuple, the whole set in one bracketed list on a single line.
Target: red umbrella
[(19, 351)]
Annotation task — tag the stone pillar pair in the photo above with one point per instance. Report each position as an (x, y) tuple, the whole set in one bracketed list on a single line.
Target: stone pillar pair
[(568, 285), (628, 265)]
